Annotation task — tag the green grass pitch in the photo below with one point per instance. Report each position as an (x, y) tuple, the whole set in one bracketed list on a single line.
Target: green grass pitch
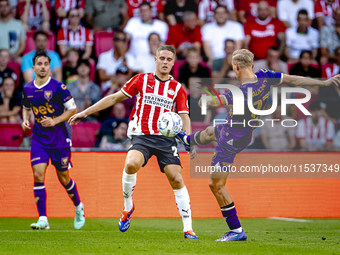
[(164, 236)]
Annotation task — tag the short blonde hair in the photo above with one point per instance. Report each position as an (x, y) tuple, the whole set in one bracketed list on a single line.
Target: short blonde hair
[(243, 58)]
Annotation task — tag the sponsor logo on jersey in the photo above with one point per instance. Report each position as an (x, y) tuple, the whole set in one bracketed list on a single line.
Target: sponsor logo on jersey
[(230, 142), (157, 100), (35, 159), (171, 92), (48, 94)]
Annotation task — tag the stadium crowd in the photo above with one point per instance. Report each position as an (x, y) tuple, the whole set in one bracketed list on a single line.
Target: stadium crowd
[(96, 46)]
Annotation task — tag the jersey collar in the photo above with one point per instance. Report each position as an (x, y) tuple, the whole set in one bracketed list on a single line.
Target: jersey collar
[(170, 78), (48, 81)]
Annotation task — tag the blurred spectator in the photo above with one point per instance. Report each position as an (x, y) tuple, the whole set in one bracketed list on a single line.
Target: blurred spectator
[(304, 67), (331, 69), (330, 103), (206, 10), (330, 39), (35, 14), (84, 91), (40, 40), (75, 36), (110, 61), (157, 8), (5, 71), (106, 14), (62, 7), (264, 32), (249, 9), (302, 37), (139, 29), (287, 11), (336, 141), (174, 10), (10, 102), (118, 113), (194, 98), (223, 68), (315, 133), (186, 35), (215, 33), (324, 10), (118, 139), (13, 4), (276, 137), (272, 62), (12, 32), (146, 62), (192, 68), (70, 68)]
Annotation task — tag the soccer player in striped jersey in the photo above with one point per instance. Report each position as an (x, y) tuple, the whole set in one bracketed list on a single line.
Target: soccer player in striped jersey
[(52, 104), (156, 93), (232, 139)]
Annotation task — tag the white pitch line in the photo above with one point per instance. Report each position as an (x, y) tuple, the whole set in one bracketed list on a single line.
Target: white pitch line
[(165, 231), (289, 219)]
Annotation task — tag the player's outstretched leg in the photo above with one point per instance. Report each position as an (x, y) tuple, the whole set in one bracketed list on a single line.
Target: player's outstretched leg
[(202, 137), (40, 196), (71, 188), (173, 172), (134, 160), (236, 233)]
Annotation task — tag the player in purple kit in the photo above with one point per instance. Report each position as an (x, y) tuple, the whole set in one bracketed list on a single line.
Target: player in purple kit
[(52, 104), (233, 139)]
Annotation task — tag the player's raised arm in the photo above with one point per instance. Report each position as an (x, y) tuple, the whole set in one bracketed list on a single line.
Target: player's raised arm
[(305, 81), (104, 103), (214, 102)]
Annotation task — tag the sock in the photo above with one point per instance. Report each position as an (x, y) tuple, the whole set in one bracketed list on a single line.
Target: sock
[(72, 191), (229, 212), (44, 218), (183, 205), (40, 197), (79, 207), (129, 183), (195, 139)]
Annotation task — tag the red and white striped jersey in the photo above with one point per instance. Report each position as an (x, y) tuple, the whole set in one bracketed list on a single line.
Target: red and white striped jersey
[(35, 14), (78, 39), (329, 70), (67, 5), (154, 97), (133, 7), (322, 9), (316, 136)]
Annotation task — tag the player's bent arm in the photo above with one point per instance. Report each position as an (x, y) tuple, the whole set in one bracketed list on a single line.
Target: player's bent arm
[(26, 115), (106, 102), (304, 81), (65, 116), (186, 122)]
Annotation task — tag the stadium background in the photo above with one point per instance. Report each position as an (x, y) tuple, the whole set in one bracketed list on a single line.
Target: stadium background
[(98, 172)]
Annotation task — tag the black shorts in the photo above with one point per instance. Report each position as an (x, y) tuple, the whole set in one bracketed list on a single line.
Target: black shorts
[(164, 148)]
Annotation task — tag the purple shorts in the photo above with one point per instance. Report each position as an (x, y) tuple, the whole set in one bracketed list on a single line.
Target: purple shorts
[(230, 141), (60, 157)]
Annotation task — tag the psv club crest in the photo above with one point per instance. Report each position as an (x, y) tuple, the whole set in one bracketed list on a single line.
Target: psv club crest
[(48, 95)]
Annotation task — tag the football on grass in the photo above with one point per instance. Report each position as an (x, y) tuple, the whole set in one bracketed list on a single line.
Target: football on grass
[(169, 124)]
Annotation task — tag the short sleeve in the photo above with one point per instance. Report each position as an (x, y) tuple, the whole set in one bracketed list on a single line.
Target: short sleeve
[(182, 101), (289, 37), (61, 37), (201, 11), (281, 28), (25, 65), (171, 37), (57, 5), (101, 62), (89, 37), (169, 8), (205, 33), (318, 9), (315, 43), (26, 102), (274, 78), (22, 34), (310, 9), (130, 27), (21, 8), (55, 60), (81, 4), (247, 29), (281, 11), (330, 131), (300, 131), (131, 87), (64, 93)]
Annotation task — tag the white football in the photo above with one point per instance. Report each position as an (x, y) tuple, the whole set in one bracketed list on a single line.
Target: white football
[(169, 124)]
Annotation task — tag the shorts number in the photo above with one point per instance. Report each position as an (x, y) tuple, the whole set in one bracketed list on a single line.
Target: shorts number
[(174, 148)]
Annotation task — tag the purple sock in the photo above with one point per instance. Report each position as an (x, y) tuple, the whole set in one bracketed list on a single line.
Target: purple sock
[(71, 189), (191, 139), (229, 212), (40, 197)]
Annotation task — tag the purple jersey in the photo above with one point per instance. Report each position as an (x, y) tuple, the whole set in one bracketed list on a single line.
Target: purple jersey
[(48, 100)]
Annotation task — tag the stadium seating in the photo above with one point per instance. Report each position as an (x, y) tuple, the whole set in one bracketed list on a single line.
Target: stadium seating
[(30, 45), (84, 134), (103, 42), (11, 135), (15, 66)]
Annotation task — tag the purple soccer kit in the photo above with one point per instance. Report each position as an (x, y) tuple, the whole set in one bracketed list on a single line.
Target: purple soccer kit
[(232, 139), (49, 100)]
